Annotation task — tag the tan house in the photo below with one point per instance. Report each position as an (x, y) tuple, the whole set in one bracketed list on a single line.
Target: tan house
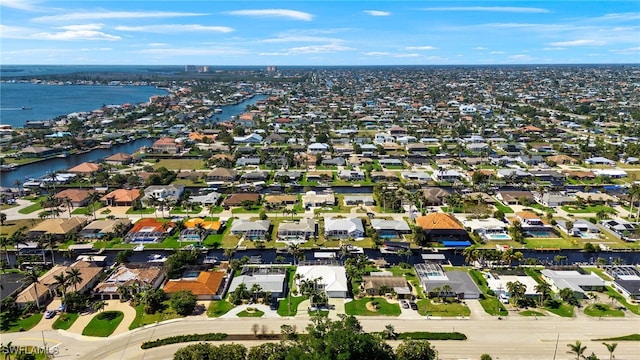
[(375, 285), (77, 197), (45, 288), (134, 278), (208, 285), (222, 174), (119, 159), (58, 227), (166, 145), (121, 197), (86, 168), (238, 198)]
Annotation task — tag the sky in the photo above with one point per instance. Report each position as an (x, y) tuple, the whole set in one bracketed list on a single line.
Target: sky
[(317, 32)]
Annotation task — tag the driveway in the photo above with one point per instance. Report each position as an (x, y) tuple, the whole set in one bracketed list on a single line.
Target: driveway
[(268, 313)]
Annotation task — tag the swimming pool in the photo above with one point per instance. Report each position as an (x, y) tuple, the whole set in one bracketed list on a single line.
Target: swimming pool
[(497, 237), (190, 274), (540, 234)]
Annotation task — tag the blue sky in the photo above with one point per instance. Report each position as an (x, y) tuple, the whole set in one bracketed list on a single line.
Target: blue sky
[(318, 32)]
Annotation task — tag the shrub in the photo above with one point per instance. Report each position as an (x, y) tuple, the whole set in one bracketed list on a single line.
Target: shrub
[(183, 338)]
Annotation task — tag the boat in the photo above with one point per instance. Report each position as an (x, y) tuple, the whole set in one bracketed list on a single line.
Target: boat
[(157, 258), (210, 259), (217, 110), (139, 247), (8, 167)]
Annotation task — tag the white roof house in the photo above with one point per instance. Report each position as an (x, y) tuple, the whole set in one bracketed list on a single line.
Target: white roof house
[(579, 283), (499, 284), (332, 278), (311, 198), (343, 227)]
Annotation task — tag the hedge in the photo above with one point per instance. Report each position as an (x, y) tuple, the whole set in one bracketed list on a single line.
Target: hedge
[(183, 338), (422, 335)]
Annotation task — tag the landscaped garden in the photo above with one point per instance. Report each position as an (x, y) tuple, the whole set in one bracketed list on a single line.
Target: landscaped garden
[(371, 306), (603, 310), (64, 321), (19, 324), (142, 318), (103, 324)]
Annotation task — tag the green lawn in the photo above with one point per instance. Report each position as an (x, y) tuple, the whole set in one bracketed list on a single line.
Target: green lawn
[(591, 209), (634, 308), (600, 272), (564, 310), (178, 210), (505, 209), (179, 164), (22, 324), (603, 310), (141, 211), (64, 321), (426, 307), (219, 308), (103, 324), (359, 307), (143, 318), (531, 313), (632, 337), (31, 208), (250, 210), (493, 306), (255, 313), (88, 210)]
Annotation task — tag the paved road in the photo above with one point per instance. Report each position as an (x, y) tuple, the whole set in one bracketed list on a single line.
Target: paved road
[(513, 337)]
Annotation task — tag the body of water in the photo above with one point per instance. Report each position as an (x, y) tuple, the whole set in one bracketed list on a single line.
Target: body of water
[(20, 102)]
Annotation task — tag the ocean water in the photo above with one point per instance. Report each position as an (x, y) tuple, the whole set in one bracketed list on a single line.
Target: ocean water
[(20, 102)]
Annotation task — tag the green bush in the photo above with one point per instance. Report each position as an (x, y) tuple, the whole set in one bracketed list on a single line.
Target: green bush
[(183, 338), (422, 335)]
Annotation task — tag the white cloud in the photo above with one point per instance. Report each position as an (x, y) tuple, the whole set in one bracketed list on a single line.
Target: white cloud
[(480, 48), (293, 38), (581, 42), (113, 15), (291, 14), (27, 5), (80, 34), (496, 52), (520, 57), (377, 53), (402, 55), (627, 51), (173, 28), (96, 49), (81, 27), (508, 9), (553, 48), (158, 44), (377, 13), (316, 49), (428, 47)]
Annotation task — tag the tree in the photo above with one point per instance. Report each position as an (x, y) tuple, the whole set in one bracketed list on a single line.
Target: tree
[(268, 351), (485, 357), (32, 278), (49, 241), (61, 283), (517, 290), (3, 218), (152, 300), (389, 332), (568, 296), (416, 350), (123, 256), (183, 302), (203, 351), (74, 278), (98, 305), (611, 348), (577, 349), (544, 290)]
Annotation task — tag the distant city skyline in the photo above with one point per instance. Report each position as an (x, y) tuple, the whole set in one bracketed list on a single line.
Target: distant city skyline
[(318, 32)]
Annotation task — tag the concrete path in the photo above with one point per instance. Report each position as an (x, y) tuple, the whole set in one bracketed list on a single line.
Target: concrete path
[(268, 313), (128, 311)]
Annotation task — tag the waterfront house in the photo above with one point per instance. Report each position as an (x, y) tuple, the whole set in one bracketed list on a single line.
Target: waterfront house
[(162, 194), (433, 277), (121, 197), (60, 228), (208, 199), (251, 230), (98, 229), (442, 227), (331, 279), (301, 230), (238, 199), (166, 145), (389, 229), (38, 152), (435, 196), (76, 197), (85, 169), (599, 160), (248, 139), (515, 197), (343, 228), (354, 200), (488, 229), (221, 174), (119, 159), (312, 199), (149, 230), (626, 279), (130, 277), (208, 285), (579, 283), (375, 283), (270, 278), (275, 201), (554, 199)]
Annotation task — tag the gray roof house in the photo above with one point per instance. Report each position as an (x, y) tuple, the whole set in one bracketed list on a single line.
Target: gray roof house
[(162, 193), (271, 279), (390, 228), (351, 200), (251, 229), (300, 230), (579, 283), (211, 198), (433, 277), (343, 228)]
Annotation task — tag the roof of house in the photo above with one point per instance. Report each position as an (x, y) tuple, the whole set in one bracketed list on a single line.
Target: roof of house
[(207, 225), (572, 279), (124, 275), (248, 225), (106, 225), (438, 221), (75, 195), (397, 225), (122, 195), (118, 157), (334, 278), (348, 224), (88, 272), (238, 198), (224, 172), (302, 225), (527, 215), (58, 226), (375, 282), (280, 198), (85, 168), (207, 283), (150, 225)]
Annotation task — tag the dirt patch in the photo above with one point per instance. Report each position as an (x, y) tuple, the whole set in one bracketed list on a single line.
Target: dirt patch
[(371, 307)]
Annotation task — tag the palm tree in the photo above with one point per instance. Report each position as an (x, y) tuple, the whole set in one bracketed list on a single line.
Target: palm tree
[(74, 278), (4, 243), (69, 204), (61, 282), (633, 192), (544, 290), (470, 255), (49, 240), (390, 332), (295, 251), (32, 278), (611, 348), (446, 290), (577, 349), (99, 306), (517, 290)]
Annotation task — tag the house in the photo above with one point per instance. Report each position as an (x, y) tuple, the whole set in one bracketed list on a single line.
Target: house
[(37, 151), (208, 285), (237, 199), (46, 287), (435, 196), (287, 176), (221, 174), (247, 161), (331, 279), (513, 175), (255, 176), (387, 229), (498, 284), (528, 218), (208, 199), (419, 176), (579, 283), (580, 228), (443, 227), (554, 199), (386, 176), (530, 160), (621, 228), (318, 148), (390, 162), (598, 160), (162, 194), (297, 231), (343, 228), (121, 197), (626, 279), (119, 159), (336, 161), (275, 201), (324, 175), (376, 284), (562, 160), (515, 197), (488, 229), (354, 200), (433, 278), (270, 278), (101, 228), (251, 230), (553, 177), (59, 228), (210, 226), (76, 197), (166, 145), (132, 278), (248, 139), (86, 169), (397, 131), (382, 138), (149, 230), (313, 199), (450, 176)]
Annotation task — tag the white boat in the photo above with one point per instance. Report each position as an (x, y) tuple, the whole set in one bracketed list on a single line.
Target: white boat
[(157, 258), (217, 110), (139, 247)]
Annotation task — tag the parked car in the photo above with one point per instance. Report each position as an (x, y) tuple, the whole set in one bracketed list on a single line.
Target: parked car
[(404, 304), (49, 314), (413, 305)]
